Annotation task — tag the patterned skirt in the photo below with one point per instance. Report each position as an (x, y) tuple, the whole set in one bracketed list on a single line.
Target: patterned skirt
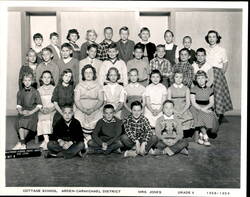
[(207, 120), (222, 99)]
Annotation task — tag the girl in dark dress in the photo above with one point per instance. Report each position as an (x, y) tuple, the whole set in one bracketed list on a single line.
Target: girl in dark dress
[(72, 37), (63, 94), (28, 104)]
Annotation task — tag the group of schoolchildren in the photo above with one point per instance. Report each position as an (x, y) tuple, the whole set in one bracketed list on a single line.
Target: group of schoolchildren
[(120, 96)]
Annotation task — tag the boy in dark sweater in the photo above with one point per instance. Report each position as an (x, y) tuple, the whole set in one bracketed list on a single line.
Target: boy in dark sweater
[(67, 138), (106, 135)]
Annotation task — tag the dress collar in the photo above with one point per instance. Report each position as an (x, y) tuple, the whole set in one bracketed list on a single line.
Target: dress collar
[(134, 85), (178, 86), (168, 117)]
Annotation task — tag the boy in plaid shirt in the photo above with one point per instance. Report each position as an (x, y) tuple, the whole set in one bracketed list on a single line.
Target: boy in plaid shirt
[(102, 52), (138, 133), (185, 67)]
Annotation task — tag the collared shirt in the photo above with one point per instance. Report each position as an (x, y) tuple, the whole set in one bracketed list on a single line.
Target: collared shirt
[(109, 121), (170, 47), (178, 86), (216, 56), (102, 52), (168, 117), (163, 65), (137, 129), (188, 72)]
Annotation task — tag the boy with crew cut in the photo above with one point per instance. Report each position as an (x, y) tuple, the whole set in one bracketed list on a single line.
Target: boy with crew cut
[(124, 45), (54, 46), (106, 135), (102, 52)]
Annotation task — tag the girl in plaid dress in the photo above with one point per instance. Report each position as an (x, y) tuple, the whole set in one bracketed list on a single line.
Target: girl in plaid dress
[(202, 98), (216, 57)]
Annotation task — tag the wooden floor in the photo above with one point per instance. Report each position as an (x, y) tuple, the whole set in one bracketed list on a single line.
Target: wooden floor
[(217, 166)]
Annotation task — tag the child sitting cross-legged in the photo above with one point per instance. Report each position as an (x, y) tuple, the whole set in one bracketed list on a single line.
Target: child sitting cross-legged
[(138, 137), (169, 132), (67, 138), (106, 135)]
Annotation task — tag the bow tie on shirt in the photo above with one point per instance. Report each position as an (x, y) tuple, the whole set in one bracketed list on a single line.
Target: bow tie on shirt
[(27, 90)]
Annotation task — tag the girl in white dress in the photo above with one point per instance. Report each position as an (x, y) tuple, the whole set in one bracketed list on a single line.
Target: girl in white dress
[(46, 113), (156, 94), (114, 92)]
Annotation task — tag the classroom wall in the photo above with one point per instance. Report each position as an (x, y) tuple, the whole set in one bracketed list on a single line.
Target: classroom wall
[(229, 25), (195, 24), (13, 60)]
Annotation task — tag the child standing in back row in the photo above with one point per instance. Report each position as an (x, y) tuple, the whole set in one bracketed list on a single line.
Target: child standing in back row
[(141, 65), (72, 37), (28, 105), (124, 45), (54, 46), (46, 113), (171, 49), (38, 46), (187, 41), (149, 48)]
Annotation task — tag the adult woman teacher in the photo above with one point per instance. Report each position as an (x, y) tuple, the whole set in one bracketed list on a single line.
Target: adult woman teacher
[(88, 101), (217, 58)]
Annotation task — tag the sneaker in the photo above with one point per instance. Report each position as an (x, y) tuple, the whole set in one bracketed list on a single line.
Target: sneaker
[(17, 146), (151, 152), (47, 154), (130, 153), (206, 142)]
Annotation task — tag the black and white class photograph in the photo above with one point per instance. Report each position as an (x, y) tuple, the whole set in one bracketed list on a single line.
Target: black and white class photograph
[(102, 95)]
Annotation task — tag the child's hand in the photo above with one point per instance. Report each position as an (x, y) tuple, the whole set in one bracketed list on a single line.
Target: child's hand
[(61, 142), (104, 146), (66, 145), (26, 112)]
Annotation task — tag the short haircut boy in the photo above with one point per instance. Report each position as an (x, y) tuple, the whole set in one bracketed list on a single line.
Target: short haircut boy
[(66, 45), (187, 37), (67, 106), (108, 106), (53, 34), (107, 28), (124, 28), (201, 50), (135, 103), (184, 49), (47, 49), (37, 35), (160, 46), (168, 101), (138, 46)]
